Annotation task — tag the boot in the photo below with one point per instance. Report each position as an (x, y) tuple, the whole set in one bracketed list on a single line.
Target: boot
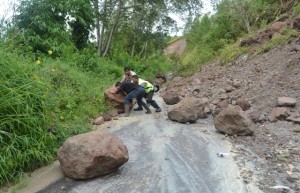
[(139, 108), (158, 110), (147, 108), (155, 105), (127, 109)]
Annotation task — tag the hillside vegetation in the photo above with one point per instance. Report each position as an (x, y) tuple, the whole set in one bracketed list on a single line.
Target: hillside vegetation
[(217, 37)]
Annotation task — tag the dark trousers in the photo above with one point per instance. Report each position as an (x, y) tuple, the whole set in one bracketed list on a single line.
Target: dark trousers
[(138, 94)]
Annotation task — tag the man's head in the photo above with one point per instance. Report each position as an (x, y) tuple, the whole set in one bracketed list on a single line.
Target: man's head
[(118, 84), (135, 79), (127, 70)]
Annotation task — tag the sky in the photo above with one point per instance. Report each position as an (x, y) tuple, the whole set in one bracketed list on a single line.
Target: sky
[(6, 11)]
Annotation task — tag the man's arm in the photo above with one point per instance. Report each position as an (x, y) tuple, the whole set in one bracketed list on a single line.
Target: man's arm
[(120, 89), (123, 79)]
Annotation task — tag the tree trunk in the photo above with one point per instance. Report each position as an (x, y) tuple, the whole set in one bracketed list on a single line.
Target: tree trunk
[(97, 15), (112, 30), (142, 51), (133, 49), (145, 51)]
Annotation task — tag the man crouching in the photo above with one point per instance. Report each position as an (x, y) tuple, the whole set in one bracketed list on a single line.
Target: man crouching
[(132, 91)]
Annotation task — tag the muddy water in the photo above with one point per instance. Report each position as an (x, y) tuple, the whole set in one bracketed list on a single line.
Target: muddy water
[(165, 157)]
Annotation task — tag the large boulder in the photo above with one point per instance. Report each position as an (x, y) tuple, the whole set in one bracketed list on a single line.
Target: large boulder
[(92, 154), (171, 97), (233, 120), (188, 110), (116, 100)]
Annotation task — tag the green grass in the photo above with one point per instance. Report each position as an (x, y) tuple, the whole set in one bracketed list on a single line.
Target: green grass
[(231, 52), (42, 104)]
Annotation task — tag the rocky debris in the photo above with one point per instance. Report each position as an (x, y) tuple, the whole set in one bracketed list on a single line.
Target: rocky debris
[(296, 24), (171, 97), (243, 103), (161, 77), (98, 121), (188, 110), (116, 100), (106, 117), (278, 26), (265, 35), (236, 83), (233, 121), (228, 88), (223, 104), (223, 96), (253, 115), (113, 113), (279, 113), (294, 118), (286, 102), (92, 154)]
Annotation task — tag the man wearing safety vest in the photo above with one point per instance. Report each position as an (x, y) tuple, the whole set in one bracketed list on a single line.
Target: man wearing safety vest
[(149, 93)]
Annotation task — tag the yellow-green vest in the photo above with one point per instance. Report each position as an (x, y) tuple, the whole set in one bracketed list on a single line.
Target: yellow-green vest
[(147, 85)]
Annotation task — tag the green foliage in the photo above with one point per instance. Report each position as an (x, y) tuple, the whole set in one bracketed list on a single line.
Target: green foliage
[(215, 37), (25, 142), (231, 52)]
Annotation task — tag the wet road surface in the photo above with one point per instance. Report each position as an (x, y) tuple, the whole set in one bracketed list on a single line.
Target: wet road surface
[(165, 157)]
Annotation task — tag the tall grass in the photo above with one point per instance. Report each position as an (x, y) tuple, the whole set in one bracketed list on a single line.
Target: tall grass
[(25, 142)]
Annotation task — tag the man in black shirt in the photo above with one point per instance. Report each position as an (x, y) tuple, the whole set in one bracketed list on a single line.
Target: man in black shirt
[(132, 91)]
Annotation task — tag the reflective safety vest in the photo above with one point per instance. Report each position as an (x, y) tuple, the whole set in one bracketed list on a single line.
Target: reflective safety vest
[(147, 85)]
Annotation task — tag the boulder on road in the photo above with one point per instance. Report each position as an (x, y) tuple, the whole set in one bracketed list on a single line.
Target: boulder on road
[(188, 110), (116, 100), (233, 121), (171, 97), (286, 102), (92, 154)]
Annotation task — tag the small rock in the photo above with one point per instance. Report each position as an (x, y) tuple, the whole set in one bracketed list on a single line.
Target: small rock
[(113, 113), (286, 102), (228, 88), (296, 130), (236, 83), (253, 115), (107, 117), (223, 104), (221, 91), (294, 118), (62, 188), (279, 113), (293, 177), (98, 121), (245, 105), (223, 96)]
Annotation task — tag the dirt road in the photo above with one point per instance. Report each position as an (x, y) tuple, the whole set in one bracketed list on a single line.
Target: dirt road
[(165, 157)]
